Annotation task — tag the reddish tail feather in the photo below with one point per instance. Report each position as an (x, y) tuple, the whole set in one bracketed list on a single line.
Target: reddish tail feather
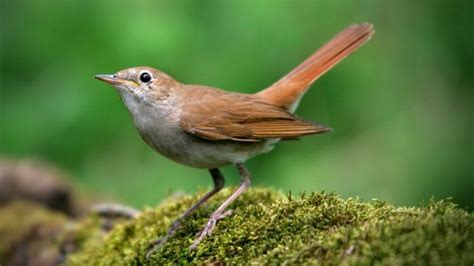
[(287, 91)]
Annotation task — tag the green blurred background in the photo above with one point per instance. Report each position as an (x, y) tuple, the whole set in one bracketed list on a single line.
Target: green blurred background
[(401, 107)]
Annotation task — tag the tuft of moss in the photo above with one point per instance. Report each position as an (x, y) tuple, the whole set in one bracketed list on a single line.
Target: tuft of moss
[(268, 228), (29, 232)]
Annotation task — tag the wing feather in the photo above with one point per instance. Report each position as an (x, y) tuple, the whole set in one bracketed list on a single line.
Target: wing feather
[(241, 117)]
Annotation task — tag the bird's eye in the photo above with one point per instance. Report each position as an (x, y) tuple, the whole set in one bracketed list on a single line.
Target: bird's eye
[(145, 77)]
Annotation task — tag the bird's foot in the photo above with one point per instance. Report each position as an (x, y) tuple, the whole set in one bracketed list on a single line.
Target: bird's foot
[(160, 241), (211, 224)]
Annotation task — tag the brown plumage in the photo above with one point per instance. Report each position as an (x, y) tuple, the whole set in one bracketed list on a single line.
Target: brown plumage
[(287, 91), (218, 115), (241, 117), (208, 128)]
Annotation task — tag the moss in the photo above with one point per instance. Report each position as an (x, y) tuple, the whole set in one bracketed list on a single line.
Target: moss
[(29, 232), (79, 235), (269, 228)]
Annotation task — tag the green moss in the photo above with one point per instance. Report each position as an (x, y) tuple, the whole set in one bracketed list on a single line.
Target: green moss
[(27, 231), (266, 228), (77, 236), (269, 228)]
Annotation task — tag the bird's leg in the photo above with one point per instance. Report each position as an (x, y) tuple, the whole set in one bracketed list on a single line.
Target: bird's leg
[(218, 180), (221, 212)]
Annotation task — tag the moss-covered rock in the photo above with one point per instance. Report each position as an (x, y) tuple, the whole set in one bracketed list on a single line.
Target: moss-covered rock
[(29, 234), (266, 227), (270, 228)]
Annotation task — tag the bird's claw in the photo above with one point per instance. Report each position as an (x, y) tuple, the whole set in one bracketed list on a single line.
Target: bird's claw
[(155, 246), (160, 241), (210, 226)]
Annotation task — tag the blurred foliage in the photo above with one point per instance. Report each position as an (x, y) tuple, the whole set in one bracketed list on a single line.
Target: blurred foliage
[(401, 107), (29, 233)]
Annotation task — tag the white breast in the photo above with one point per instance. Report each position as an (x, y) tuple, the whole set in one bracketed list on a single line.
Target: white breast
[(158, 125)]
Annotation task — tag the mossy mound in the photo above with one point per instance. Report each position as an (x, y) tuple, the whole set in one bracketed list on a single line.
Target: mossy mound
[(30, 233), (269, 228)]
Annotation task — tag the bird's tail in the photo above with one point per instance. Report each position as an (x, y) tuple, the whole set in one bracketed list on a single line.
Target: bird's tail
[(287, 91)]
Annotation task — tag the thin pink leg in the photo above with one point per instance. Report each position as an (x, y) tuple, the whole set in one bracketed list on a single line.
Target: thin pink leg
[(218, 180), (220, 212)]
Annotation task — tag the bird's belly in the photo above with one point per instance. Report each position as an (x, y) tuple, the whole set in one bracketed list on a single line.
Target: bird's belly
[(164, 134), (196, 152)]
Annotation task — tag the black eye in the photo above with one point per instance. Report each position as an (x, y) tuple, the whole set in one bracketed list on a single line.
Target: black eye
[(145, 77)]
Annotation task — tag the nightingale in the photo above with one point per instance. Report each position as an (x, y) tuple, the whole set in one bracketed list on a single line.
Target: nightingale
[(208, 128)]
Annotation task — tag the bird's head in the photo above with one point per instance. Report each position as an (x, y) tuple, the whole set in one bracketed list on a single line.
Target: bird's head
[(140, 83)]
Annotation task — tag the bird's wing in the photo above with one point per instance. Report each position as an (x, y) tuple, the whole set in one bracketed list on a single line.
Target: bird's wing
[(240, 117)]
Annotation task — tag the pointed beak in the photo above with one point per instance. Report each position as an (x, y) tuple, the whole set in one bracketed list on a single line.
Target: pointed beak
[(109, 78)]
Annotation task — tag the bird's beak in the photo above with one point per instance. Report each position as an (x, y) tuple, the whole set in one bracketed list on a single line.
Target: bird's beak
[(111, 79)]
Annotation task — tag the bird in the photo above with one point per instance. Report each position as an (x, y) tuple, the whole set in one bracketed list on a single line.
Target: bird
[(208, 128)]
